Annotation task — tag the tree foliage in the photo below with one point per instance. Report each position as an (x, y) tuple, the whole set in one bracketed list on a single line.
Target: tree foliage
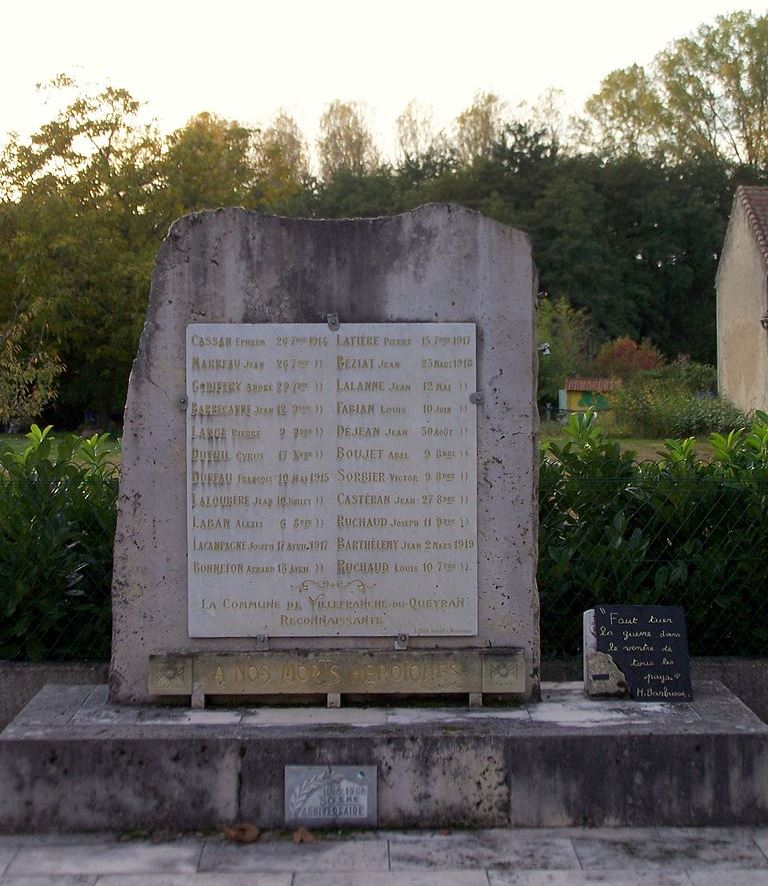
[(627, 232), (345, 143), (623, 357), (704, 95), (28, 372)]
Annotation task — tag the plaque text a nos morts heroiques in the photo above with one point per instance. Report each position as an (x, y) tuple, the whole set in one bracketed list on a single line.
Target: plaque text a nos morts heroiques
[(649, 646)]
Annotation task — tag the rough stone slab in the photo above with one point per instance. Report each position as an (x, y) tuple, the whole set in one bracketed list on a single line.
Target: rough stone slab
[(51, 880), (491, 849), (109, 768), (731, 878), (587, 878), (672, 852), (361, 855), (72, 783), (6, 855), (436, 264), (253, 879), (376, 878), (54, 705), (109, 858)]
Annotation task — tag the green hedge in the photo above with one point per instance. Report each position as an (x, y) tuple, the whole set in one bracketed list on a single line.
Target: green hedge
[(57, 527), (673, 531)]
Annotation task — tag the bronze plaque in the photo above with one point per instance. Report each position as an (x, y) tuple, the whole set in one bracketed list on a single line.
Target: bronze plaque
[(340, 671)]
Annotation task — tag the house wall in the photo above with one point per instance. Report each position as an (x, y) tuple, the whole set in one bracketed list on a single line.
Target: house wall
[(742, 343)]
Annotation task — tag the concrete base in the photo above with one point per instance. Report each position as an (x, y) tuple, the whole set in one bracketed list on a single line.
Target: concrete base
[(72, 762)]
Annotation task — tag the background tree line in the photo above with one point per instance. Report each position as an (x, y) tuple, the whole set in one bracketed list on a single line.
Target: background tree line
[(626, 206)]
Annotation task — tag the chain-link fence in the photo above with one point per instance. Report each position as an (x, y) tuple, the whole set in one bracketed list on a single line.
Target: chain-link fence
[(636, 538), (699, 543), (56, 537)]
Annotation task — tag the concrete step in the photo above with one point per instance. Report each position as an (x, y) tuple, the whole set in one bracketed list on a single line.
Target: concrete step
[(71, 761)]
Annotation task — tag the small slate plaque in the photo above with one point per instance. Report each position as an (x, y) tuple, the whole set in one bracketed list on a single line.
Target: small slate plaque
[(331, 796), (650, 646)]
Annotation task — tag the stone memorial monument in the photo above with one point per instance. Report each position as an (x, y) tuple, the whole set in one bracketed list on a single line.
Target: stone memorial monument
[(329, 479)]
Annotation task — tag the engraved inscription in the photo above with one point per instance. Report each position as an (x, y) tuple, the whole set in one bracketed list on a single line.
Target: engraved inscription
[(331, 480)]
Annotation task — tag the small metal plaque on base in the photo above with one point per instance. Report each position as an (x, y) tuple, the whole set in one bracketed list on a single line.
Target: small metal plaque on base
[(331, 796)]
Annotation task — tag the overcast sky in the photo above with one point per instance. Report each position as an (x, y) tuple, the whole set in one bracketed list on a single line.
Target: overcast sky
[(244, 60)]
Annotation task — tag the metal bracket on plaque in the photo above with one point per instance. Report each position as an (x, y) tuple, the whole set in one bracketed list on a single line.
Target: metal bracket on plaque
[(198, 696), (401, 642), (475, 699), (333, 699), (262, 643), (333, 322)]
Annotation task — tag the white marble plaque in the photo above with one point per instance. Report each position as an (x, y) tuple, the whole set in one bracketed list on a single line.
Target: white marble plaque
[(331, 480)]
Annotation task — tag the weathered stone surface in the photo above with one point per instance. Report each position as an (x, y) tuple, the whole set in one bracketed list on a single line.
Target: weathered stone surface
[(566, 761), (437, 264)]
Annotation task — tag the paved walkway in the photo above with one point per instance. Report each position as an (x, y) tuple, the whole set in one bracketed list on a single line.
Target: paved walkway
[(620, 857)]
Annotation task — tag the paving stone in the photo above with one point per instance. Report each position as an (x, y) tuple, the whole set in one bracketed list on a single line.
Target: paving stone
[(362, 855), (729, 878), (313, 716), (586, 878), (492, 849), (412, 878), (6, 854), (50, 880), (108, 858), (193, 880), (56, 839), (668, 849), (761, 838)]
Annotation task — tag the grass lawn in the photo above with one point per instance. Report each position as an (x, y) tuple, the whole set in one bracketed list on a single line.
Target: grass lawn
[(16, 442), (645, 449)]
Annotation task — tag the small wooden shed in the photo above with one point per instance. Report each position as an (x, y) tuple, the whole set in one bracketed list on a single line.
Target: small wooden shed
[(581, 394)]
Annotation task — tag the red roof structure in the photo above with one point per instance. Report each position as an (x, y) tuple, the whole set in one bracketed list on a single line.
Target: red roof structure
[(595, 385), (755, 203)]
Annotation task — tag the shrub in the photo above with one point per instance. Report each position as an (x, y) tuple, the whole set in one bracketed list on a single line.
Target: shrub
[(57, 525), (648, 408), (674, 531)]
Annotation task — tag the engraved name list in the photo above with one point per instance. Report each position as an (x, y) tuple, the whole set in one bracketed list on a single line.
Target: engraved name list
[(331, 480)]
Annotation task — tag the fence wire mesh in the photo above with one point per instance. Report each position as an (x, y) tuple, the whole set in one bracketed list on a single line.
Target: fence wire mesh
[(56, 538), (699, 543)]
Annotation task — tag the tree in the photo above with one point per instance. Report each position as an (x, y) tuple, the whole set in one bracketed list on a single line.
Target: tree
[(705, 95), (416, 136), (567, 335), (208, 163), (28, 370), (478, 127), (623, 358), (80, 227), (625, 115), (282, 161), (345, 142)]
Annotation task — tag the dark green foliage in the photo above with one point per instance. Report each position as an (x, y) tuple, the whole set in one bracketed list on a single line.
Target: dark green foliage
[(57, 526), (674, 531)]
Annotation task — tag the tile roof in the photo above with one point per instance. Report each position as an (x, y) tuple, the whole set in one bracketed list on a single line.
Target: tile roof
[(596, 385), (755, 203)]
